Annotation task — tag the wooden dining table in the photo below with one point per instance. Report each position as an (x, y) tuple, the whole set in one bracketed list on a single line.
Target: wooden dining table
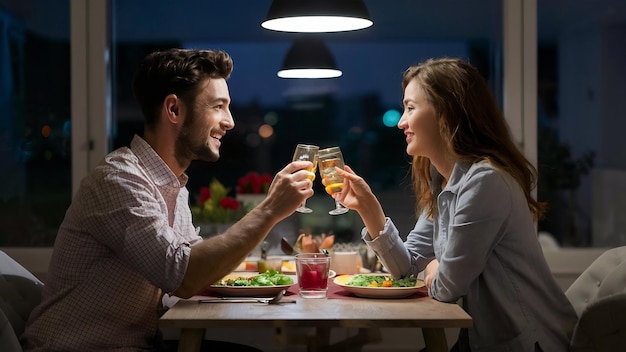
[(339, 310)]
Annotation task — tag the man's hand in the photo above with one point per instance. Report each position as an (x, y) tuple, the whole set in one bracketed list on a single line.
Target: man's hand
[(291, 186)]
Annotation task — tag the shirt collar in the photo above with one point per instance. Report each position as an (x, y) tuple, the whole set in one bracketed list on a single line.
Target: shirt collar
[(158, 170), (456, 177), (458, 173), (462, 170)]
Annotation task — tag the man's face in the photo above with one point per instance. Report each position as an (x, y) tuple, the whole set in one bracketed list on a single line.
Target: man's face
[(206, 122)]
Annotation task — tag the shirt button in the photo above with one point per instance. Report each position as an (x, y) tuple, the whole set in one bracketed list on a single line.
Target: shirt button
[(599, 283)]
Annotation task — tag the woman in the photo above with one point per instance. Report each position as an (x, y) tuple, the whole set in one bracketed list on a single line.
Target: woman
[(475, 237)]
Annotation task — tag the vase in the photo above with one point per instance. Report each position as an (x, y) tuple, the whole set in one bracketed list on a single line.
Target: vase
[(250, 200), (211, 229)]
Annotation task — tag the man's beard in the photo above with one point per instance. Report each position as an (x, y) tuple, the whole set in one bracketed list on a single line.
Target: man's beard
[(192, 144)]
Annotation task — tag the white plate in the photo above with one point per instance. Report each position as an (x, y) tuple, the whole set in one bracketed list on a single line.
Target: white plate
[(377, 292), (247, 291)]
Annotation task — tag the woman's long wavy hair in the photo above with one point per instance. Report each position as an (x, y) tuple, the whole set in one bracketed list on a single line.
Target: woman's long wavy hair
[(471, 123)]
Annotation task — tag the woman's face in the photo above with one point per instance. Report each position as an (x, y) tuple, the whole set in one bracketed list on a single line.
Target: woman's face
[(420, 124)]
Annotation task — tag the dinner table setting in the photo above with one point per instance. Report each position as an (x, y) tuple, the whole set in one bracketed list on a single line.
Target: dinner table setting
[(304, 289)]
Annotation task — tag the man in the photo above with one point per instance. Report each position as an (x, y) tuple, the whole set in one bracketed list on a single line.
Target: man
[(128, 237)]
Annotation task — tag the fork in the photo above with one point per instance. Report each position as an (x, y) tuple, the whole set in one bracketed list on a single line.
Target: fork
[(273, 300)]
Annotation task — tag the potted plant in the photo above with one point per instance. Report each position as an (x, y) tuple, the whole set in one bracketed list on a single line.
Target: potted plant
[(215, 211)]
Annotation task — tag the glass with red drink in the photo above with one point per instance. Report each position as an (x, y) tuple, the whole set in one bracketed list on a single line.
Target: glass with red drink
[(312, 271)]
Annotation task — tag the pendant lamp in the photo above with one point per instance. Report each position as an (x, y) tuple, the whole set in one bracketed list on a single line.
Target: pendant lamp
[(316, 16), (309, 58)]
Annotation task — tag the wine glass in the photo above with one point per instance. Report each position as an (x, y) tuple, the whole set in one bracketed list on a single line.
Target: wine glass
[(309, 153), (330, 158)]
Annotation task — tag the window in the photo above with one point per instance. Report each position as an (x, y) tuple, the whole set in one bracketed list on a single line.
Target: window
[(35, 124), (578, 58), (582, 153)]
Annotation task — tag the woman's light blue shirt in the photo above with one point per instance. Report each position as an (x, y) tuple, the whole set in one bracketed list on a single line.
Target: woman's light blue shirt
[(486, 243)]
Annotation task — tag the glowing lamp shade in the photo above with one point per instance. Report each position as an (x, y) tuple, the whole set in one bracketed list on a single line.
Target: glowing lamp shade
[(309, 58), (316, 16)]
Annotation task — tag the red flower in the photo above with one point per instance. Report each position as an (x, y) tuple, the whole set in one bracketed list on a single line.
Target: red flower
[(213, 205), (254, 183), (266, 178), (205, 194), (229, 203)]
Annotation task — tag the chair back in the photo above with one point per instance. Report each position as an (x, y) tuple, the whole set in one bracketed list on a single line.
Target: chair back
[(8, 340), (20, 292), (547, 241), (599, 298)]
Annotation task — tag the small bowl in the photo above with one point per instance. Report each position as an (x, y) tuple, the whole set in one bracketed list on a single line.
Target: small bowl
[(267, 264)]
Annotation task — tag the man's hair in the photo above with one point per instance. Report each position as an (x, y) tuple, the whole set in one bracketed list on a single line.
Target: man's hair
[(176, 71)]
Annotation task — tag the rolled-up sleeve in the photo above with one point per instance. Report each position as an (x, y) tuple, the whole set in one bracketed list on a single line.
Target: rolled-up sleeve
[(399, 259)]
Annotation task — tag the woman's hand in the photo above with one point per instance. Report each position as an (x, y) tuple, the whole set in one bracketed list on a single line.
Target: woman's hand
[(357, 194), (430, 272)]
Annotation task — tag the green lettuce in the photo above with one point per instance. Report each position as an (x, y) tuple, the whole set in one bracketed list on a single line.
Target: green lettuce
[(268, 278)]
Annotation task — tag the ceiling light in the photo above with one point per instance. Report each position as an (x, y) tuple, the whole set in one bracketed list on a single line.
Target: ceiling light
[(315, 16), (309, 58)]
